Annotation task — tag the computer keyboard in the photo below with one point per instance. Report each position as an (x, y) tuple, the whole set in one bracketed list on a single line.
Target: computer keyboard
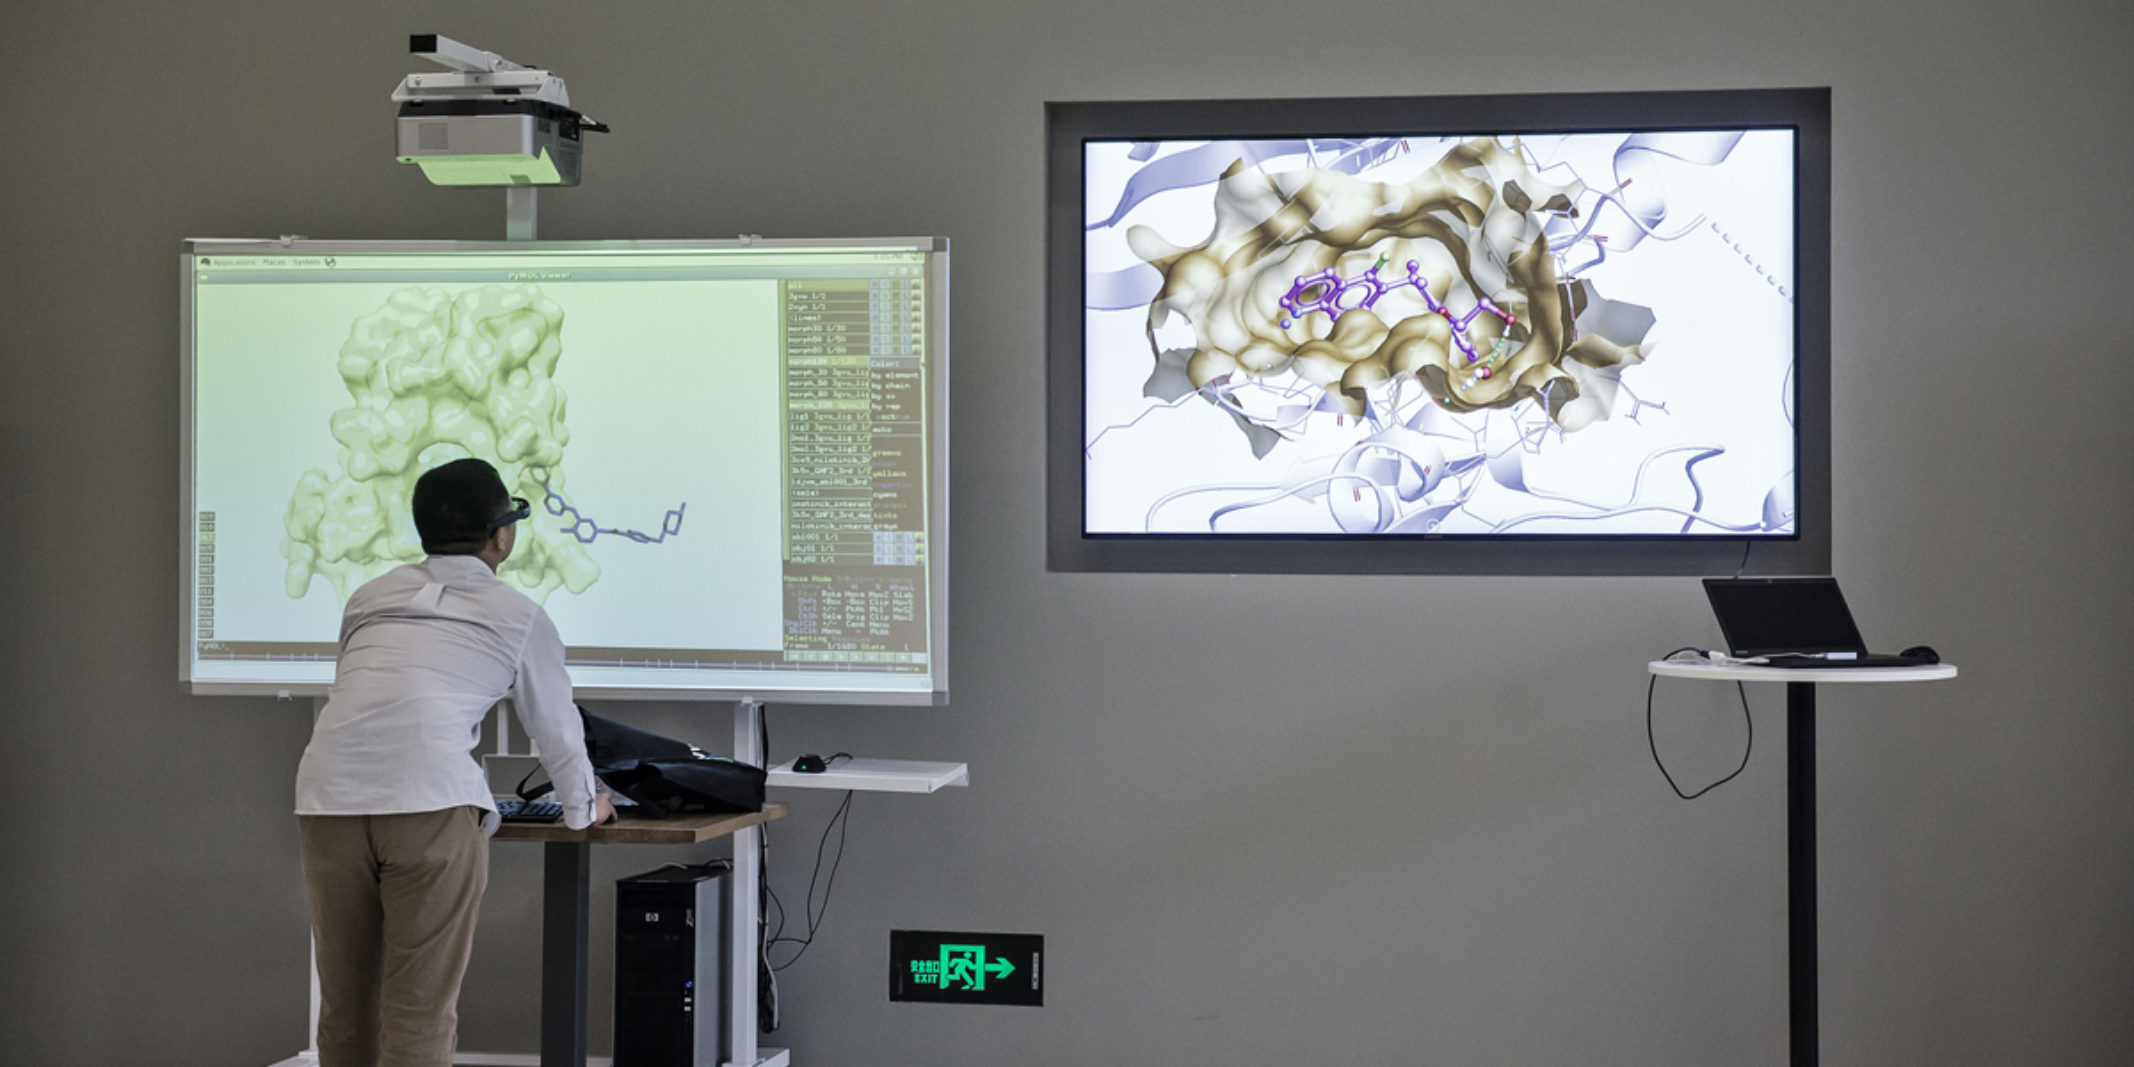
[(530, 810)]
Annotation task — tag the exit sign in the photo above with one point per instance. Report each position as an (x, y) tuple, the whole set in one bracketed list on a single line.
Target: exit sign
[(955, 968)]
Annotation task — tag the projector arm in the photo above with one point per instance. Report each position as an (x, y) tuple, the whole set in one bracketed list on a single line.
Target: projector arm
[(452, 55), (475, 74)]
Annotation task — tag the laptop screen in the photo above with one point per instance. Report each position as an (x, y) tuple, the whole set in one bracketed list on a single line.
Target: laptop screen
[(1760, 616)]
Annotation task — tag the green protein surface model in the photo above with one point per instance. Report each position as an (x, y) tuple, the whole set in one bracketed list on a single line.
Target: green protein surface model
[(435, 377)]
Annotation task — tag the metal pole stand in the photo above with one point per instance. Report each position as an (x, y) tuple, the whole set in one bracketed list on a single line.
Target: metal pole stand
[(1800, 872), (741, 947)]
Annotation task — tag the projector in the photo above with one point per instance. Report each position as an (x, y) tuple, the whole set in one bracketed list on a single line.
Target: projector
[(487, 121)]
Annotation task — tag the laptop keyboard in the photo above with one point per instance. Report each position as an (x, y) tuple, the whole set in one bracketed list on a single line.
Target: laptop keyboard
[(530, 810)]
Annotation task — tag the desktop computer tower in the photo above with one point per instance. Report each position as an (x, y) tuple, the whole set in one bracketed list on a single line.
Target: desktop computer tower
[(670, 967)]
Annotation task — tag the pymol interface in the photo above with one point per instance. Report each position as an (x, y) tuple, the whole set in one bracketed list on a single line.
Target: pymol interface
[(734, 452)]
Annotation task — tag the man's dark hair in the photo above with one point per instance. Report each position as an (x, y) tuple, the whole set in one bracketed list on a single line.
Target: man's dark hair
[(454, 503)]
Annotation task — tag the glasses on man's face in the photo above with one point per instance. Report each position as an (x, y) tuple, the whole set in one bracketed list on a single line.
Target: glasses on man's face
[(520, 509)]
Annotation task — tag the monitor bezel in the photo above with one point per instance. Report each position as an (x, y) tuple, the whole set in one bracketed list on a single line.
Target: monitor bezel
[(1069, 125), (937, 505)]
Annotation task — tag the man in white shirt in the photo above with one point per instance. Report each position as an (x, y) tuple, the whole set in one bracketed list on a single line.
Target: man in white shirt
[(395, 811)]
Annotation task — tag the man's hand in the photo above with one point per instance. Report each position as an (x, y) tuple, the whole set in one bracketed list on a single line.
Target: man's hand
[(603, 810)]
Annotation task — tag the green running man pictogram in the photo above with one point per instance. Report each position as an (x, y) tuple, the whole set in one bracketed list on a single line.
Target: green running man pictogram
[(964, 965)]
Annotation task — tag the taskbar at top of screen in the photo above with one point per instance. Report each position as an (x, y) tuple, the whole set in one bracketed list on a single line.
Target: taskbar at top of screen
[(821, 661)]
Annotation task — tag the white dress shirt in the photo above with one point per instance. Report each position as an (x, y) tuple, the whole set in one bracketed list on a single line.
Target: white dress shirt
[(426, 650)]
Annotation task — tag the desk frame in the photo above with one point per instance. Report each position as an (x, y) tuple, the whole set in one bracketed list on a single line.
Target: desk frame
[(1802, 948), (566, 894)]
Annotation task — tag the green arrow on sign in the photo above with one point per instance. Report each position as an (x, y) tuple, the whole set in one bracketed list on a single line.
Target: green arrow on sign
[(1000, 968)]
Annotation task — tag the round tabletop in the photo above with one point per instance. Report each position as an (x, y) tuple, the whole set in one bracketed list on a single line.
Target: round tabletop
[(1748, 672)]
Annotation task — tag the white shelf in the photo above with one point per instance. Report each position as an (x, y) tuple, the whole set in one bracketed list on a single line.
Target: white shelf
[(874, 776), (1751, 672)]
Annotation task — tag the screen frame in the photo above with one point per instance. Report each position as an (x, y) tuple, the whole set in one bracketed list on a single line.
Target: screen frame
[(937, 504), (1070, 124)]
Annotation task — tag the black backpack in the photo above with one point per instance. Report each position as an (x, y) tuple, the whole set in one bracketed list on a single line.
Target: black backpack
[(661, 775)]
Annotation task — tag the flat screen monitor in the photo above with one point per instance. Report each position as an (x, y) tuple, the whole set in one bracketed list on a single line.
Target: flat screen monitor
[(1571, 334), (735, 453)]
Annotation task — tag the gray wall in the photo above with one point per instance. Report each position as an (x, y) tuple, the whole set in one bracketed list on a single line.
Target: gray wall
[(1258, 819)]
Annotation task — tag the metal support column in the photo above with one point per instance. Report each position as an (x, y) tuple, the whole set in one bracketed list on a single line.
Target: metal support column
[(519, 212), (567, 876), (742, 950)]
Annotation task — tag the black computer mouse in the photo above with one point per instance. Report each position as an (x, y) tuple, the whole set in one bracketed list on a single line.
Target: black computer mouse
[(1921, 654), (808, 763)]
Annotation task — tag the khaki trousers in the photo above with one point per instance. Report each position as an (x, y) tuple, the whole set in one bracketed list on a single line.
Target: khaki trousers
[(393, 904)]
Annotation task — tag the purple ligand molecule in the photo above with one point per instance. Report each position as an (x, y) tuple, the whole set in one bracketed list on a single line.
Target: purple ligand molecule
[(1326, 291)]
